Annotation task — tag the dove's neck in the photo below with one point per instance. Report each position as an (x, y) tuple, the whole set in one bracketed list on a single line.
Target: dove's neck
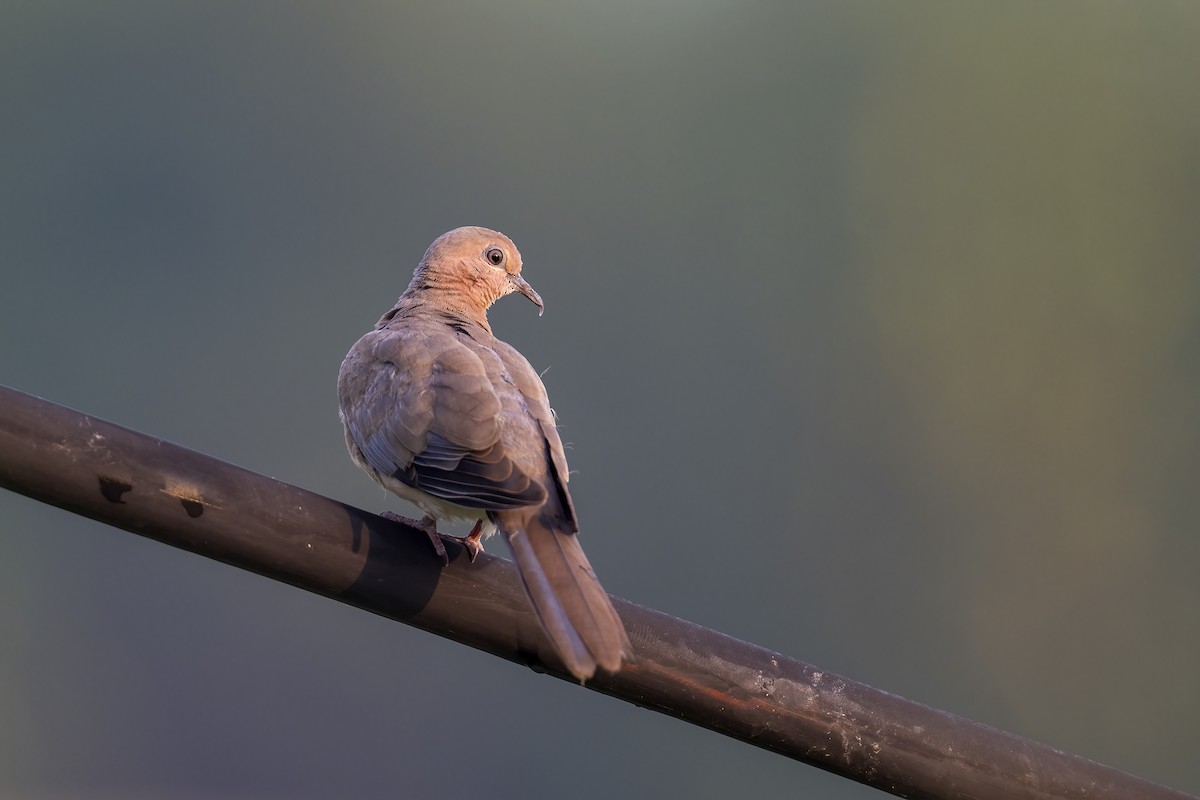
[(443, 301)]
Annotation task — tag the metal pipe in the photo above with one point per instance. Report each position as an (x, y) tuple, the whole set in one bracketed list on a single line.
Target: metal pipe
[(186, 499)]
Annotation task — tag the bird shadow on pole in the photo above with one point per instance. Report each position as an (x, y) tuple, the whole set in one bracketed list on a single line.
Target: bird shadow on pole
[(189, 500)]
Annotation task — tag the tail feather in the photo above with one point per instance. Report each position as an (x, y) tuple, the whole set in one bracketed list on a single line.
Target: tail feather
[(571, 604)]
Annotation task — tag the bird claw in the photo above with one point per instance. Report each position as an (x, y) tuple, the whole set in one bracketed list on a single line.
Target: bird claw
[(428, 525), (473, 541), (473, 548)]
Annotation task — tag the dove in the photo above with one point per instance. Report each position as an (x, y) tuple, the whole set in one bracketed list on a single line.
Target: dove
[(445, 415)]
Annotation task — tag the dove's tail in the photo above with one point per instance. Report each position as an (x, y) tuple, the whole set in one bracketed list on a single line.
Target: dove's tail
[(570, 602)]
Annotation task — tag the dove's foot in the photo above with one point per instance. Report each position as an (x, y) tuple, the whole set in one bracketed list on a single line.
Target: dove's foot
[(474, 541), (427, 524)]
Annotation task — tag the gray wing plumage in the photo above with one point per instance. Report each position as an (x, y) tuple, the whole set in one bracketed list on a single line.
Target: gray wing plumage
[(537, 402), (421, 407)]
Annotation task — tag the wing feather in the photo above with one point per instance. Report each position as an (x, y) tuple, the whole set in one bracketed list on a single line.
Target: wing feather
[(423, 409)]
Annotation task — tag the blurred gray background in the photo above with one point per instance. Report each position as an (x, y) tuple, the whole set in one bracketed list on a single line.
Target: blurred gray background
[(875, 328)]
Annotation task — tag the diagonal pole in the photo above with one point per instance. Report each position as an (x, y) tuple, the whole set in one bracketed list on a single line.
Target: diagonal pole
[(186, 499)]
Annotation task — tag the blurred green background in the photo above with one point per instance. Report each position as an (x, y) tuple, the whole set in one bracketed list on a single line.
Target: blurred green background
[(875, 328)]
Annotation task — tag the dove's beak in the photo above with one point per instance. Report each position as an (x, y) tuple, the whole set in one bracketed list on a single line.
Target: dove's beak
[(521, 285)]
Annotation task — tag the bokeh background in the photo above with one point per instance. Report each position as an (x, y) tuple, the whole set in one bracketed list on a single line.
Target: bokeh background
[(875, 328)]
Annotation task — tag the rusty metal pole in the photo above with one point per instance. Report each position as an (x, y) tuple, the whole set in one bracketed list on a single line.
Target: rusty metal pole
[(193, 501)]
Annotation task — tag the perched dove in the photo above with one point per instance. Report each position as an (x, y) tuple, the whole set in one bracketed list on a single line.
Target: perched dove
[(445, 415)]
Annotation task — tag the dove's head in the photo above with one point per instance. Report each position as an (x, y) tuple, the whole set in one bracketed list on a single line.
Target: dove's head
[(475, 267)]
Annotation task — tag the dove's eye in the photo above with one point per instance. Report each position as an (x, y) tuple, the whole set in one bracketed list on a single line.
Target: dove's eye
[(495, 256)]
